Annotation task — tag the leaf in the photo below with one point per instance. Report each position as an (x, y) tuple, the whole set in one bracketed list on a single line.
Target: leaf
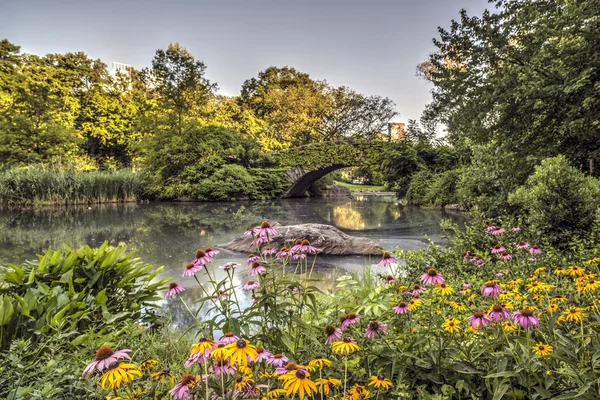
[(101, 297), (500, 392), (56, 320), (80, 339), (6, 310)]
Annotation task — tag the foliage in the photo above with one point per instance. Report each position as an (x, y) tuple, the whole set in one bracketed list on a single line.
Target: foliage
[(41, 184), (66, 292), (558, 201), (419, 187)]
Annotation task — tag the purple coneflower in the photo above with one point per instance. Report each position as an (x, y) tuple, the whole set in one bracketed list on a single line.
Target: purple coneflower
[(498, 230), (351, 319), (535, 249), (466, 285), (251, 285), (505, 256), (522, 245), (266, 252), (431, 277), (305, 247), (387, 259), (499, 274), (525, 318), (228, 338), (491, 228), (499, 313), (498, 248), (466, 255), (223, 367), (491, 289), (211, 252), (104, 357), (191, 269), (401, 308), (417, 289), (299, 255), (277, 360), (533, 259), (297, 246), (250, 231), (174, 289), (181, 389), (263, 354), (219, 295), (202, 258), (516, 229), (389, 280), (478, 320), (263, 239), (229, 265), (291, 366), (266, 230), (251, 390), (333, 334), (252, 258), (376, 329), (283, 253), (256, 269)]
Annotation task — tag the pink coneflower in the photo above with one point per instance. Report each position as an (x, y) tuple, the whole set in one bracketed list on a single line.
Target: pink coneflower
[(251, 285), (525, 318), (252, 258), (533, 259), (223, 367), (516, 229), (505, 256), (466, 285), (417, 289), (333, 334), (263, 239), (191, 269), (104, 357), (297, 246), (387, 259), (263, 354), (499, 313), (299, 255), (376, 329), (181, 389), (498, 230), (266, 230), (305, 247), (466, 255), (266, 252), (522, 245), (211, 252), (498, 248), (389, 280), (250, 231), (174, 289), (251, 390), (200, 352), (401, 308), (229, 265), (277, 360), (479, 262), (431, 277), (491, 228), (351, 319), (535, 249), (228, 338), (256, 269), (202, 258), (283, 253), (491, 289), (499, 274), (219, 295), (291, 366), (478, 320)]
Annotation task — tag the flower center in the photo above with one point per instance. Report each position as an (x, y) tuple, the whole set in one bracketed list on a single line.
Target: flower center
[(173, 285), (526, 312), (497, 308), (343, 318), (381, 377), (298, 242), (497, 246), (187, 379), (496, 227), (573, 311), (351, 315), (208, 249), (374, 325), (402, 304), (305, 243), (329, 330), (478, 314), (541, 348), (291, 366), (278, 355), (251, 283), (417, 287), (431, 272), (505, 253), (260, 349), (284, 249), (200, 253), (443, 286), (229, 334), (114, 364), (241, 343), (265, 225), (103, 353), (535, 246), (300, 374), (347, 340), (490, 284), (387, 255)]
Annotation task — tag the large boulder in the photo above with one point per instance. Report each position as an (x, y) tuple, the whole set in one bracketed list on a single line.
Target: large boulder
[(327, 238)]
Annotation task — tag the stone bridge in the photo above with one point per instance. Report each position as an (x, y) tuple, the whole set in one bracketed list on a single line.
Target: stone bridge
[(309, 163)]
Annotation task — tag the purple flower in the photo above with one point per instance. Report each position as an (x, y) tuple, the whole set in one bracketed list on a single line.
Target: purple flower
[(250, 231), (277, 360), (256, 269), (297, 246), (181, 389), (229, 265), (525, 318), (491, 289), (376, 329), (104, 357), (174, 289), (431, 277), (191, 269), (387, 260), (305, 247), (223, 367), (516, 229), (299, 255), (202, 258), (522, 245), (498, 249), (466, 255), (351, 319), (535, 249), (417, 289), (333, 334), (499, 313), (252, 258), (263, 240), (498, 230), (466, 285), (533, 259), (266, 252), (219, 295), (263, 354), (228, 338), (478, 320), (505, 256), (491, 228), (266, 230), (251, 285), (211, 252), (283, 253), (389, 280), (401, 308), (499, 274)]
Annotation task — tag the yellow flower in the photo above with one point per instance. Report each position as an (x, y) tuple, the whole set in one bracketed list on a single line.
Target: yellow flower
[(358, 392), (452, 325), (319, 362), (575, 271), (593, 261), (344, 346), (532, 278), (443, 289), (538, 297), (542, 349), (117, 373), (589, 286), (241, 382), (558, 299), (539, 270), (247, 371), (380, 381), (536, 287), (325, 384), (513, 284), (561, 271), (509, 326), (471, 297), (162, 375), (269, 375), (414, 304), (466, 291), (458, 306), (573, 314), (204, 345), (297, 382), (148, 364), (239, 352), (274, 394), (552, 308)]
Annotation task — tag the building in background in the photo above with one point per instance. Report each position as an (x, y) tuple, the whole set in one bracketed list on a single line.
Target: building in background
[(396, 131), (120, 68)]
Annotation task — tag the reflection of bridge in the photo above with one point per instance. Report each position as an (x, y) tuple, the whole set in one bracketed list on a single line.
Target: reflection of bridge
[(309, 163)]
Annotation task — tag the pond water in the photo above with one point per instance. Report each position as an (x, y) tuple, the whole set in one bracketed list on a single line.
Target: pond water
[(169, 233)]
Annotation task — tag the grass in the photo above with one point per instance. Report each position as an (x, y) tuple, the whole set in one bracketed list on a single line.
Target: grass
[(354, 187)]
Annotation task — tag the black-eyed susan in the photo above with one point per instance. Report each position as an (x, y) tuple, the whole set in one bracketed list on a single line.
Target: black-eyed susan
[(380, 381), (345, 346), (458, 306), (241, 352), (590, 285), (537, 287), (274, 394), (558, 299), (593, 261), (357, 392), (268, 375), (163, 375), (319, 362), (325, 384), (539, 270), (471, 297), (452, 325), (148, 364), (552, 308), (443, 289), (542, 349), (298, 382), (117, 373), (509, 326), (513, 284), (561, 271), (575, 270), (414, 304), (572, 314)]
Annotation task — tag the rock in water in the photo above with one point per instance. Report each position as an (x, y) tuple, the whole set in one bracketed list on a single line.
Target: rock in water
[(327, 238)]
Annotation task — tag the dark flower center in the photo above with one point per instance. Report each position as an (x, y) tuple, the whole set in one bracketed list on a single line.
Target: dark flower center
[(300, 374), (526, 312), (522, 243), (284, 249), (200, 253), (351, 315), (329, 330), (318, 357), (505, 253), (251, 255), (260, 349), (387, 255), (451, 324), (255, 264), (251, 283), (497, 308), (417, 287), (241, 343), (381, 377), (291, 366), (229, 334), (189, 266), (343, 318), (443, 286), (490, 284), (373, 325), (541, 348), (173, 285), (265, 225), (208, 249), (305, 243), (239, 379), (497, 246), (103, 353), (535, 246), (347, 340), (402, 304), (114, 364), (389, 278), (278, 355), (187, 379), (431, 272), (298, 241), (573, 311), (478, 314), (497, 227)]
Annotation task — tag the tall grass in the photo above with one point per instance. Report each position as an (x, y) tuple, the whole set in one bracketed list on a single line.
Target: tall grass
[(40, 185)]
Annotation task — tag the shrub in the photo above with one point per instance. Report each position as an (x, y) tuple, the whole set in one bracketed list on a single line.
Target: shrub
[(558, 200), (442, 189), (227, 183), (419, 187), (270, 183)]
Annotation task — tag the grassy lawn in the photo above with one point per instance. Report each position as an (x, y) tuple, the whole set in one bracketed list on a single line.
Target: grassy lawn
[(354, 187)]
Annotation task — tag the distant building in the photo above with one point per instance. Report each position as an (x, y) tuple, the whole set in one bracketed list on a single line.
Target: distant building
[(396, 131), (121, 68)]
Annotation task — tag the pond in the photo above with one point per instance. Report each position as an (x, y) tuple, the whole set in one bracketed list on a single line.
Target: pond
[(169, 233)]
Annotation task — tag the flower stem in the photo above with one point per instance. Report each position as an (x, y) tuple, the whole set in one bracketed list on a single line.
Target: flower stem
[(345, 373)]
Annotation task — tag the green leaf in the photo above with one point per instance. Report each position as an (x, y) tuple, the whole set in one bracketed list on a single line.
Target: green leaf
[(500, 392), (101, 297), (6, 310), (56, 320), (80, 339)]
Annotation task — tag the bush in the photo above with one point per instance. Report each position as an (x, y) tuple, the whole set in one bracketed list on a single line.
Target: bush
[(270, 183), (418, 188), (442, 189), (558, 201), (227, 183)]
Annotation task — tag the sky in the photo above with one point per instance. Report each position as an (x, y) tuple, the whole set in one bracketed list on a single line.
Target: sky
[(371, 46)]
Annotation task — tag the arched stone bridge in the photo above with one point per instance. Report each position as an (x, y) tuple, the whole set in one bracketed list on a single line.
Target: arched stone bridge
[(309, 163)]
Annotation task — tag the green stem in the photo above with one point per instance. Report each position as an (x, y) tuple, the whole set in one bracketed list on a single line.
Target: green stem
[(190, 311), (206, 377), (345, 373)]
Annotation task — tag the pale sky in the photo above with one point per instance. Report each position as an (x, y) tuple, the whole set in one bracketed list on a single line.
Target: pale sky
[(371, 46)]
